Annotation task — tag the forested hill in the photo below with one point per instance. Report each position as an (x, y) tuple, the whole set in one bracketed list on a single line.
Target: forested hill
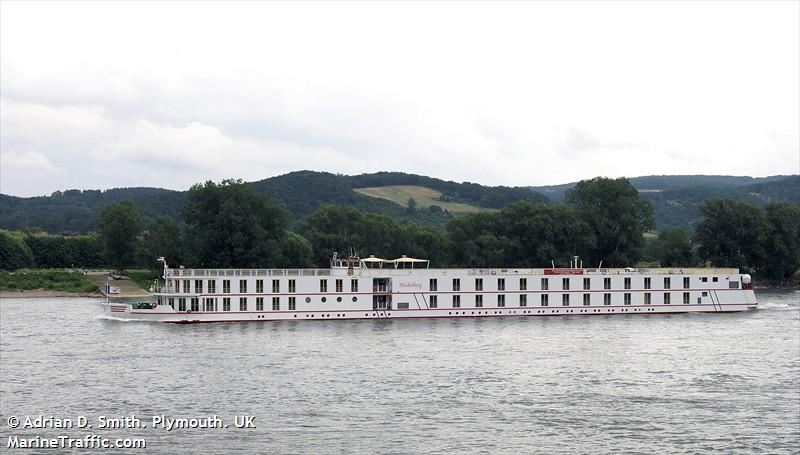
[(677, 198), (75, 211)]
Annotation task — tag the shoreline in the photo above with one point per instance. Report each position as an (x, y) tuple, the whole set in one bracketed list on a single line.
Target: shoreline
[(42, 293)]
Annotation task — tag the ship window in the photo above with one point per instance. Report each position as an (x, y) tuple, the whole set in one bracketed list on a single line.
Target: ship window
[(259, 286), (647, 283), (354, 285), (704, 279), (523, 284), (545, 284), (565, 284), (607, 298), (715, 279), (667, 283), (456, 301), (627, 283), (292, 286), (543, 299), (733, 285), (185, 286), (501, 300), (276, 286), (606, 283), (212, 286), (226, 286), (171, 302), (323, 285), (523, 300), (587, 284), (339, 286), (705, 294), (195, 304), (456, 284), (181, 304), (276, 303), (587, 299), (308, 299), (433, 285), (564, 299), (242, 303), (198, 286), (433, 301), (627, 298), (355, 299), (226, 304), (210, 304), (479, 284), (667, 298), (292, 303), (686, 282), (648, 299), (686, 297), (479, 301), (338, 299), (242, 286), (501, 284), (324, 299), (259, 303)]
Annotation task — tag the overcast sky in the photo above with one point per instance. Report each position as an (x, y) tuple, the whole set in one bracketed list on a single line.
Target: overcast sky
[(103, 95)]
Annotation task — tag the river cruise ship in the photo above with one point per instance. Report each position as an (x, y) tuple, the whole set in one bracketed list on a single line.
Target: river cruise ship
[(375, 288)]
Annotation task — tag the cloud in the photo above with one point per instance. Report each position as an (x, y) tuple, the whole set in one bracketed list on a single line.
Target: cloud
[(26, 170), (502, 94)]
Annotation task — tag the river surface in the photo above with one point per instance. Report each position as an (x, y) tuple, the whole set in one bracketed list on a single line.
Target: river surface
[(727, 383)]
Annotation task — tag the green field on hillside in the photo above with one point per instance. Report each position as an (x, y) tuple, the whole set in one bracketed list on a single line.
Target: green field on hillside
[(425, 197)]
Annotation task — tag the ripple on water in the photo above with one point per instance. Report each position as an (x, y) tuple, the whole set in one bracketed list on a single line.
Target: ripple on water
[(690, 383)]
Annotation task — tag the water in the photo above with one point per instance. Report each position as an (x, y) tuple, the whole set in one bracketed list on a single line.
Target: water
[(634, 384)]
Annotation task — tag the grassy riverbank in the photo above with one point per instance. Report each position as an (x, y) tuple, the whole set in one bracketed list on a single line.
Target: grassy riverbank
[(52, 280), (142, 277)]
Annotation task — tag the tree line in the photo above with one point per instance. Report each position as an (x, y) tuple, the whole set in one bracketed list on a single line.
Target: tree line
[(603, 220)]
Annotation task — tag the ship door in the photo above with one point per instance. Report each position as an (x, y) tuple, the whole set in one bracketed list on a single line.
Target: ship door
[(381, 293)]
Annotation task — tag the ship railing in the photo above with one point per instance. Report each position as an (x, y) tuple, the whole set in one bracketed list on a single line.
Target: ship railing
[(246, 272)]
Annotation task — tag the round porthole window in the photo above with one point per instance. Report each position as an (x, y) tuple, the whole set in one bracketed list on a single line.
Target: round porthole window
[(324, 299), (338, 299), (308, 299), (355, 299)]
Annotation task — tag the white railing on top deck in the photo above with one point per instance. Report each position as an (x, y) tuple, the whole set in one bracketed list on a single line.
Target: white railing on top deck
[(246, 272), (191, 273)]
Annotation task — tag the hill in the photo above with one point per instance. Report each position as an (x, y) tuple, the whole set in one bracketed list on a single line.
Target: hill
[(302, 192), (423, 197), (676, 198)]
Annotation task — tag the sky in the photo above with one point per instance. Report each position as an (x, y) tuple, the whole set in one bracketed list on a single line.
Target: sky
[(104, 95)]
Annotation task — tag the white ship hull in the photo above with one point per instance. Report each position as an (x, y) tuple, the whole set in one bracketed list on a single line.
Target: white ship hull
[(209, 295)]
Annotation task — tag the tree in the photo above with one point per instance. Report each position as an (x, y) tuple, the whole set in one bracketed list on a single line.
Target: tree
[(731, 234), (782, 243), (120, 224), (14, 252), (338, 228), (673, 248), (616, 214), (162, 239), (229, 225), (522, 234), (295, 251), (54, 251)]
